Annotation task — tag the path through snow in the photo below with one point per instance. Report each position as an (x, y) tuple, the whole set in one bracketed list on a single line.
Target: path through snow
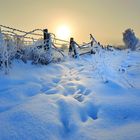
[(94, 97)]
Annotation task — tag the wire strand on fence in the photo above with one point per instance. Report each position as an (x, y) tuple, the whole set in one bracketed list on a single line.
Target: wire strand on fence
[(21, 31), (12, 34)]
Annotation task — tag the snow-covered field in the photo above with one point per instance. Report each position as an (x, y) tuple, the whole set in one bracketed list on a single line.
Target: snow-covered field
[(95, 97)]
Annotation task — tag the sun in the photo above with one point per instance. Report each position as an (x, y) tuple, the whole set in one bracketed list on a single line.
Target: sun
[(63, 32)]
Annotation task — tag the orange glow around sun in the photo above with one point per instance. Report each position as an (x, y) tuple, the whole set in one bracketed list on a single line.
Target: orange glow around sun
[(63, 32)]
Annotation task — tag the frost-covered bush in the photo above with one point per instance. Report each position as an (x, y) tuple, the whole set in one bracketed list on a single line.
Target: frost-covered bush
[(35, 53), (7, 51), (130, 39), (14, 47), (3, 51), (19, 43), (11, 48), (41, 56)]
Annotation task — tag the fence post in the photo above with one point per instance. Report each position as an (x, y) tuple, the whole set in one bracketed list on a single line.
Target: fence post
[(47, 40), (47, 46), (72, 48)]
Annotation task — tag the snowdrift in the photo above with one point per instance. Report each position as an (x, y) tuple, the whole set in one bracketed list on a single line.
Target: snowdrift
[(93, 97)]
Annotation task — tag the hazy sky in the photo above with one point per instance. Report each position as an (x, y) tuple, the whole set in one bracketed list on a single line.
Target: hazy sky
[(105, 19)]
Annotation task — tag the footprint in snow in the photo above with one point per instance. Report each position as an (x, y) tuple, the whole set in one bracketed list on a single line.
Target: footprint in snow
[(56, 80), (80, 94), (77, 79), (83, 90), (65, 116), (92, 110), (79, 97)]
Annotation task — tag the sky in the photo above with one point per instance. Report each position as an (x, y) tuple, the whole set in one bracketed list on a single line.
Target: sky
[(105, 19)]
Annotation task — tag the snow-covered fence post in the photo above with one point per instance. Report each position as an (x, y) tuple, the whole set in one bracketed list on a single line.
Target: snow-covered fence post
[(73, 48), (47, 46), (47, 39)]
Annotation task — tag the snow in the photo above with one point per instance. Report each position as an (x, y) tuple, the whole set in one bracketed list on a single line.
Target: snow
[(95, 97)]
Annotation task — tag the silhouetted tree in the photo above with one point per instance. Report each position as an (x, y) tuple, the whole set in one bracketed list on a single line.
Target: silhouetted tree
[(130, 39)]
